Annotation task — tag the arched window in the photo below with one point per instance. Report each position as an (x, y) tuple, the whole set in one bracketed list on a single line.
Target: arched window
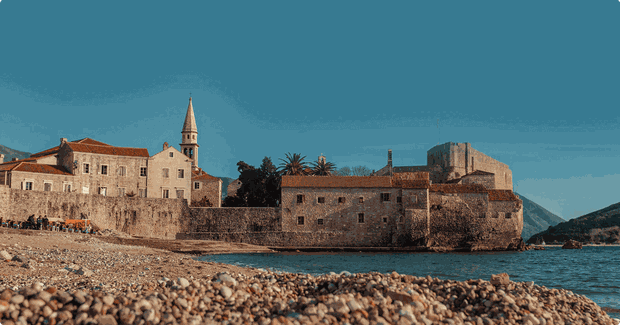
[(191, 153)]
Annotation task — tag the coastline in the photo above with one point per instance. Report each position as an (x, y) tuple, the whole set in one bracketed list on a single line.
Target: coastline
[(63, 277)]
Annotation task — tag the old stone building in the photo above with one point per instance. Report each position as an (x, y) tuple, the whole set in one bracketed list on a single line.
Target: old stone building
[(451, 161), (92, 167)]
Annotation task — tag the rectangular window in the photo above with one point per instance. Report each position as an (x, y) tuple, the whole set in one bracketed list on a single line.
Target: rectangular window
[(399, 199), (67, 187), (142, 192), (300, 198), (143, 171), (171, 154), (164, 173), (361, 199), (300, 220), (341, 199), (121, 192), (103, 191), (165, 194), (319, 221), (196, 185), (47, 187), (321, 199), (385, 197), (384, 219), (104, 169), (181, 173), (508, 215), (122, 171), (84, 189), (85, 168), (180, 194), (28, 186), (360, 218)]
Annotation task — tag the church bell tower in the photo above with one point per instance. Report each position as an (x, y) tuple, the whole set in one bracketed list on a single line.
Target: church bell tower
[(189, 142)]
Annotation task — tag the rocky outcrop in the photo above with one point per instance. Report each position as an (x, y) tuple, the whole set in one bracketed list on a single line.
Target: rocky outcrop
[(572, 244)]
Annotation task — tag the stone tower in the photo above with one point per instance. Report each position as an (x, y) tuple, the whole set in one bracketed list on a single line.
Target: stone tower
[(321, 159), (189, 142)]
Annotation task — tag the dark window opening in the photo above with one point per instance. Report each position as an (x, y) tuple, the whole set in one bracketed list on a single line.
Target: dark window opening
[(300, 198), (300, 220), (321, 199), (360, 218), (399, 199), (384, 219), (341, 199), (319, 221), (385, 197), (361, 200)]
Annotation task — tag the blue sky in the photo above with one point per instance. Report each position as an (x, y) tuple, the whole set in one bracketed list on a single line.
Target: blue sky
[(534, 84)]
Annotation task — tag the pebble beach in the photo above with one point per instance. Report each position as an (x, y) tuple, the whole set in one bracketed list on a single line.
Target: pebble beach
[(102, 283)]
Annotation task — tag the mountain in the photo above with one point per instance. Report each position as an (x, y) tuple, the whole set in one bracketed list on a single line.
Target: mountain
[(536, 218), (225, 182), (12, 153), (601, 226)]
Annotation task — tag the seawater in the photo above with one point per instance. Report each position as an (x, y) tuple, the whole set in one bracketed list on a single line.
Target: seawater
[(592, 271)]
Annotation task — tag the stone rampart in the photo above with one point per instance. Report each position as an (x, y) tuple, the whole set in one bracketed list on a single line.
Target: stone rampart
[(146, 217), (293, 238), (235, 220)]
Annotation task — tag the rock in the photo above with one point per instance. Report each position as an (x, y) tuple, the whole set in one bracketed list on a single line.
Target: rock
[(84, 271), (225, 292), (500, 279), (518, 245), (227, 279), (107, 320), (6, 256), (183, 282), (572, 244)]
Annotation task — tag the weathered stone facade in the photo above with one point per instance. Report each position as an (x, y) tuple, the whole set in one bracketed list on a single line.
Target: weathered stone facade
[(169, 175), (205, 185)]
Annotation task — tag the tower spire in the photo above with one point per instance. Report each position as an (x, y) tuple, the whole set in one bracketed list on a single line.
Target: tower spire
[(190, 120), (189, 134)]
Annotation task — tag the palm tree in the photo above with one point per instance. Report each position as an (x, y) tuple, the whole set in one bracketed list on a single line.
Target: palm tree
[(322, 168), (293, 165)]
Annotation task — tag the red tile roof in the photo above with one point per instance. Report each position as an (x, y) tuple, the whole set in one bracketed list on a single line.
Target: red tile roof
[(204, 176), (9, 165), (336, 181), (108, 150), (458, 188), (479, 172), (40, 168), (53, 151), (502, 195), (411, 183)]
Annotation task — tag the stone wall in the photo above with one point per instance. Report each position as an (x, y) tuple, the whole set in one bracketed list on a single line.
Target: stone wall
[(211, 188), (488, 181), (159, 218), (293, 238), (236, 220), (57, 181)]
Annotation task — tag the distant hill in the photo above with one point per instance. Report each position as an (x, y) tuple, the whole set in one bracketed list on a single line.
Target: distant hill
[(536, 218), (9, 153), (601, 226), (225, 182)]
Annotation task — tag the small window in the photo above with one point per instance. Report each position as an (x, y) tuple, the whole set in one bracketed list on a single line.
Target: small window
[(385, 197), (508, 215), (142, 192), (181, 173), (194, 137), (341, 199), (103, 191), (196, 185), (121, 191), (165, 194), (384, 219), (122, 171), (319, 221), (104, 169), (300, 220), (47, 187), (360, 218), (28, 186), (180, 194), (399, 199), (171, 154), (300, 198), (143, 171), (85, 168), (165, 173), (67, 187), (361, 199), (321, 199)]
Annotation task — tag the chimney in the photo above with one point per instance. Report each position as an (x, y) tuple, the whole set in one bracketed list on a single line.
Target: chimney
[(63, 141), (166, 146), (390, 157), (1, 158), (15, 159)]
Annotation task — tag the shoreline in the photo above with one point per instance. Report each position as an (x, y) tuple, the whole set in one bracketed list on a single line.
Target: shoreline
[(62, 277)]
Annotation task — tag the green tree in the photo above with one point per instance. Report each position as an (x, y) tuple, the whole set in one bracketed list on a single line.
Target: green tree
[(322, 168), (260, 187), (293, 165), (271, 181)]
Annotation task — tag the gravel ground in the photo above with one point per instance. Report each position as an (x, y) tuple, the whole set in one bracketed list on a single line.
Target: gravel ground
[(80, 279)]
